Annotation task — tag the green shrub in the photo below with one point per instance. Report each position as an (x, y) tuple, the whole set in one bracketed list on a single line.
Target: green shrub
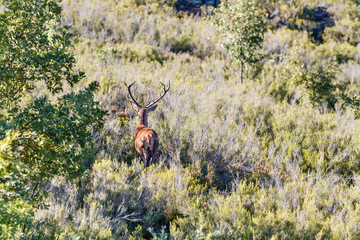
[(182, 43)]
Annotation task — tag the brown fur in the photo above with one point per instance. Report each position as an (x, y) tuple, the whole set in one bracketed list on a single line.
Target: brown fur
[(146, 140), (146, 144)]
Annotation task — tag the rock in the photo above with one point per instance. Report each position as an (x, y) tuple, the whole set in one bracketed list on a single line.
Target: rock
[(318, 14), (320, 19), (193, 5), (315, 20)]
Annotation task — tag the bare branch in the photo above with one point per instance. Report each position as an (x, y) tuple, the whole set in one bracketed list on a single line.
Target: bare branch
[(130, 217)]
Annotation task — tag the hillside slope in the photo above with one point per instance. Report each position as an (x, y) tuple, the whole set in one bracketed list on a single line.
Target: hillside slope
[(254, 160)]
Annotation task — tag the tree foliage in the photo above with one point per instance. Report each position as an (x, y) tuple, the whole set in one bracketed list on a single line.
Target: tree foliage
[(354, 103), (33, 46), (242, 26), (44, 138)]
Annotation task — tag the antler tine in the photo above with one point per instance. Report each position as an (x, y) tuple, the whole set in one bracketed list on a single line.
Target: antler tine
[(128, 87), (165, 91)]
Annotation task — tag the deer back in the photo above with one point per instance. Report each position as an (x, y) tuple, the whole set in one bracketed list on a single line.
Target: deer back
[(146, 139)]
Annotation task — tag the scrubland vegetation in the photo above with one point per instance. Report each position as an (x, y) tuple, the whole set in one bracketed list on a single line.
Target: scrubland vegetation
[(276, 156)]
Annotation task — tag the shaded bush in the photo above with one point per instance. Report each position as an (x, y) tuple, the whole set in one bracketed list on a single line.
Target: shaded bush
[(182, 43)]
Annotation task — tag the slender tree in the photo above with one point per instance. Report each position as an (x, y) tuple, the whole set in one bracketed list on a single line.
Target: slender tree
[(242, 27)]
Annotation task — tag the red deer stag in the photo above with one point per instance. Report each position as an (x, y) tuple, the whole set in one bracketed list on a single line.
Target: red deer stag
[(146, 140)]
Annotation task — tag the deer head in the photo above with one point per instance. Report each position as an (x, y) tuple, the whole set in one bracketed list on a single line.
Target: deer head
[(143, 111)]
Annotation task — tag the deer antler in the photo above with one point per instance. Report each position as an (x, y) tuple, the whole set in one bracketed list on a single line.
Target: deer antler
[(165, 91), (133, 99)]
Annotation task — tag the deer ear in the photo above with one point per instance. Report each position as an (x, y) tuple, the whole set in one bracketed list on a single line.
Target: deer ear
[(150, 109), (136, 107)]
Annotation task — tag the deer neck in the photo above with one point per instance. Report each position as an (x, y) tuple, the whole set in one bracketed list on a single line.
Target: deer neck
[(142, 118)]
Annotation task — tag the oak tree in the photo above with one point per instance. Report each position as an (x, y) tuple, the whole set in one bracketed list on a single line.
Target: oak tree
[(43, 138)]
